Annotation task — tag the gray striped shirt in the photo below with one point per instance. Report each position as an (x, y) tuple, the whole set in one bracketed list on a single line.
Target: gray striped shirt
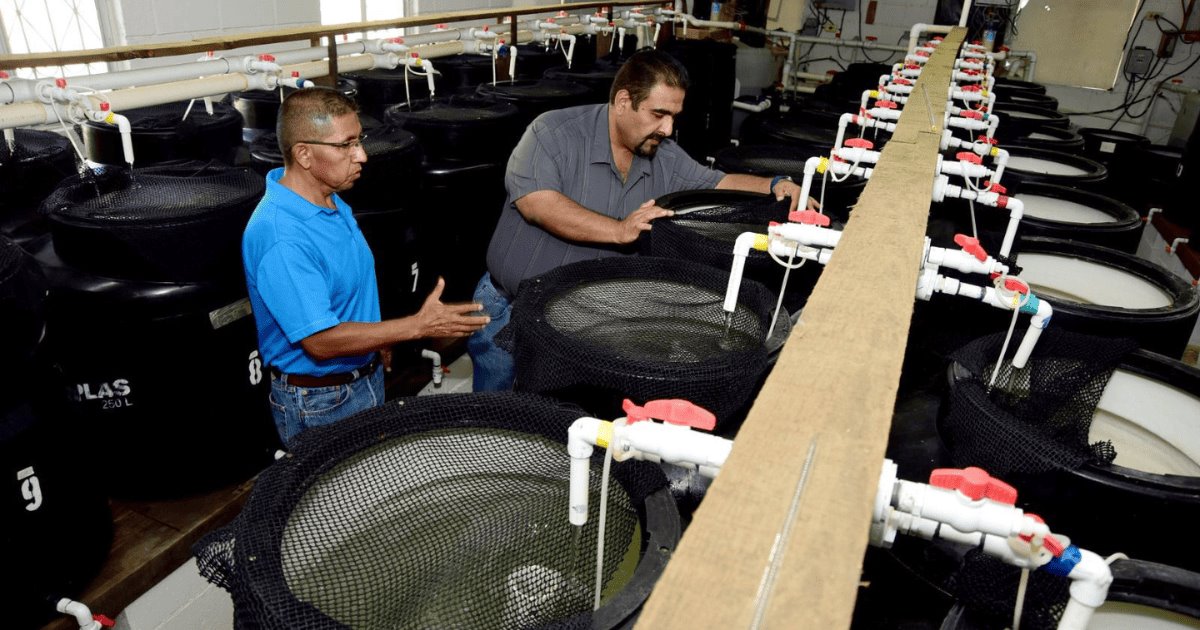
[(568, 151)]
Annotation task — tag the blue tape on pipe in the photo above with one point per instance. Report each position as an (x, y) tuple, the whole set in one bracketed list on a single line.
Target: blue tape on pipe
[(1062, 565)]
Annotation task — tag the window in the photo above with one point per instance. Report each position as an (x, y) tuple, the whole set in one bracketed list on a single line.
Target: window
[(342, 12), (39, 26)]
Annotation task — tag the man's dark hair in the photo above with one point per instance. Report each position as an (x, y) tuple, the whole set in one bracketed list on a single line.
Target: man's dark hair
[(308, 115), (644, 70)]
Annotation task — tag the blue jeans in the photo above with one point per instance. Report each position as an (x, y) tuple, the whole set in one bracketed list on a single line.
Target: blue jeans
[(298, 408), (493, 365)]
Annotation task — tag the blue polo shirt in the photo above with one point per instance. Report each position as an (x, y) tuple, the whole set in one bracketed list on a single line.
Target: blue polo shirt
[(308, 268), (568, 151)]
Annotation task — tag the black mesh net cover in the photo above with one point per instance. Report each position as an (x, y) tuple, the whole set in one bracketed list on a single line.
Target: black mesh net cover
[(178, 222), (437, 512), (707, 235), (30, 169), (644, 328), (22, 291), (1034, 419), (988, 588)]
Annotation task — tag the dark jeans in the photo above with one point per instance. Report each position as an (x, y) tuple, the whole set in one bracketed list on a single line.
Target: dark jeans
[(298, 408), (494, 369)]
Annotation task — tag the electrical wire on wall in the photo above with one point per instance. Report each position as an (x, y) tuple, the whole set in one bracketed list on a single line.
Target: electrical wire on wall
[(1136, 84), (821, 18)]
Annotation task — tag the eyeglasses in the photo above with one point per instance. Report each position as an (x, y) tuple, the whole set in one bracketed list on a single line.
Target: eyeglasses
[(347, 145)]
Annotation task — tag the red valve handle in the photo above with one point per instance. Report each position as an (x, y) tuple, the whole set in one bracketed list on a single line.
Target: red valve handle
[(3, 74), (105, 106), (1050, 542), (872, 38), (902, 81), (673, 411), (967, 156), (974, 115), (971, 245), (859, 143), (400, 40), (295, 74), (970, 88), (266, 57), (886, 104), (809, 217), (60, 82), (996, 188), (103, 620), (912, 66), (974, 483), (1017, 285), (986, 139), (922, 53)]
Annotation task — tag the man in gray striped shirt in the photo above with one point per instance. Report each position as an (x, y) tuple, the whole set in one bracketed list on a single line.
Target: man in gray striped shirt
[(581, 185)]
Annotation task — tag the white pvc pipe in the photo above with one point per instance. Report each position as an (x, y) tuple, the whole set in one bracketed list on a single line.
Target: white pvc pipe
[(762, 106), (1090, 580), (914, 34), (437, 365), (1037, 323), (80, 611), (745, 242), (966, 11), (581, 435)]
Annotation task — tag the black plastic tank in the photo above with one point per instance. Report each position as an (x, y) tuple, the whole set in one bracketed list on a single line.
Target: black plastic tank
[(532, 97), (162, 133), (29, 170), (153, 348), (260, 108), (55, 525)]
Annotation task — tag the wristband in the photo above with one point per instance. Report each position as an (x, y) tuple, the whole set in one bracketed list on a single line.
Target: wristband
[(775, 182)]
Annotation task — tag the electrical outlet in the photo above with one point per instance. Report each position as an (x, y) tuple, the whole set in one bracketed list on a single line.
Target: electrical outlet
[(1139, 60)]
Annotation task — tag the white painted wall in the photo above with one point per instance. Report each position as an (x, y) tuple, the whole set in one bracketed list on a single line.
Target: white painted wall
[(894, 17)]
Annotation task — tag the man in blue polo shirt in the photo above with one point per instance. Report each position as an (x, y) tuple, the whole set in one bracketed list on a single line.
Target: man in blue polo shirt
[(311, 275), (581, 185)]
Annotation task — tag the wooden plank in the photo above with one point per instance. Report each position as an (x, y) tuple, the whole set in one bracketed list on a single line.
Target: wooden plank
[(150, 540), (814, 442), (258, 38)]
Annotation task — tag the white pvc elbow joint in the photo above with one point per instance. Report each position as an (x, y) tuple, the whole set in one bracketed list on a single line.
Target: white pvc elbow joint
[(80, 611)]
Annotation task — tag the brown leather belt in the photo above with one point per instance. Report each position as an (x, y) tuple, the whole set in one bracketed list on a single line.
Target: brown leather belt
[(329, 380)]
